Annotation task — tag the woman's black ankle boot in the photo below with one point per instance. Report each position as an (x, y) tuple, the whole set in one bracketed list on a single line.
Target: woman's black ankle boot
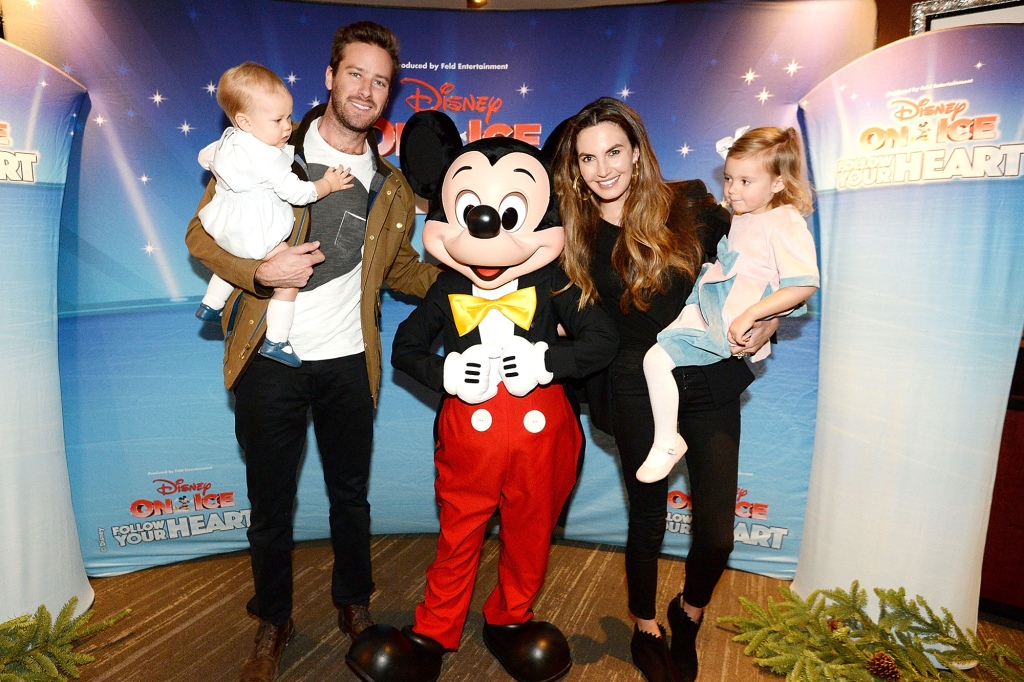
[(651, 656), (684, 640)]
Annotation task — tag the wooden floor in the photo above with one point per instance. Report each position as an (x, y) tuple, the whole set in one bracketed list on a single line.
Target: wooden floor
[(188, 620)]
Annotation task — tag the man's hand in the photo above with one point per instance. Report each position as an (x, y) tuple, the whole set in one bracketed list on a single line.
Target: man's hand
[(291, 268)]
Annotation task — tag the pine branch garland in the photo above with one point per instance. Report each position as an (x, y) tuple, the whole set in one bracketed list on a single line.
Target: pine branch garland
[(38, 647), (830, 636)]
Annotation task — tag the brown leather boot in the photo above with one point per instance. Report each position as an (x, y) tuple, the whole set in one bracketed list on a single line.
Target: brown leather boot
[(269, 644), (353, 619)]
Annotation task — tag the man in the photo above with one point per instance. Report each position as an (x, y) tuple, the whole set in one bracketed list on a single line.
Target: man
[(356, 239)]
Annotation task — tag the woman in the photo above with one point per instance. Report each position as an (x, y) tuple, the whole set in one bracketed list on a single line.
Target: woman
[(635, 244)]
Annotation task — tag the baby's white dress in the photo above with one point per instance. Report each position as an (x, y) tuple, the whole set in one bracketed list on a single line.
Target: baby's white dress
[(251, 212)]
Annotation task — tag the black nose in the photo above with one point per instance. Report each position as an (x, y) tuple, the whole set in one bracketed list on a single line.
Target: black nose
[(483, 222)]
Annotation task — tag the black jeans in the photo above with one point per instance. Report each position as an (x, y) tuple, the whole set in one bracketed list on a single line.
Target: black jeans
[(712, 435), (272, 407)]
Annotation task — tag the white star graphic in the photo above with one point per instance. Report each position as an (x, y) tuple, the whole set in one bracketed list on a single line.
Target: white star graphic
[(764, 95), (625, 92), (210, 88), (144, 178), (157, 98), (100, 120), (42, 83), (523, 89), (749, 76), (853, 96), (185, 128), (66, 68), (315, 102), (33, 3), (685, 149), (842, 88), (793, 67), (979, 65), (291, 78), (149, 249)]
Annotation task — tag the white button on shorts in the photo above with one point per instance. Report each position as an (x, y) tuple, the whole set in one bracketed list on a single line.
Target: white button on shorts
[(481, 420), (534, 421)]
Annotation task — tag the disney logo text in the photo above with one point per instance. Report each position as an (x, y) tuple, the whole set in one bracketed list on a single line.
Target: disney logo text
[(167, 487), (428, 98)]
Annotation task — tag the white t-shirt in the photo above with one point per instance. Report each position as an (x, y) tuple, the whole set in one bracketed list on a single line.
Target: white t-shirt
[(326, 323)]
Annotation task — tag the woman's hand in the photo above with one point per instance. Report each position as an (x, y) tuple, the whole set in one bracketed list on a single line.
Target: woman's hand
[(758, 335), (739, 330)]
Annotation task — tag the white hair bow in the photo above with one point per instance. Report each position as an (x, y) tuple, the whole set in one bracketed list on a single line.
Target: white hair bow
[(725, 144)]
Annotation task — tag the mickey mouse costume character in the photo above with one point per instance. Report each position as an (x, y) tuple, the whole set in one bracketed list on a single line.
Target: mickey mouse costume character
[(508, 438)]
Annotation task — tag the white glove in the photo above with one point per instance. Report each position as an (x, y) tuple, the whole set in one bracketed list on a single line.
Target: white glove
[(521, 366), (472, 376)]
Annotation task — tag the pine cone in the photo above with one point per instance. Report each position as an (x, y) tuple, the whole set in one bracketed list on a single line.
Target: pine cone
[(883, 666), (833, 624)]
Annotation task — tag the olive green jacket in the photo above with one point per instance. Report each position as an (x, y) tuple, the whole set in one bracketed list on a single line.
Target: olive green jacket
[(388, 257)]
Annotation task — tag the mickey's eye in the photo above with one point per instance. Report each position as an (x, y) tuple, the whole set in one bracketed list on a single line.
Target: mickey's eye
[(513, 212), (465, 203)]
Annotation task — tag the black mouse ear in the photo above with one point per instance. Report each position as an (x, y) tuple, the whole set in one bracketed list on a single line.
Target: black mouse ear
[(429, 142), (550, 147)]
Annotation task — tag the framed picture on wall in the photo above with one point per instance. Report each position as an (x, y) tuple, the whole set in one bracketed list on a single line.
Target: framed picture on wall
[(937, 14)]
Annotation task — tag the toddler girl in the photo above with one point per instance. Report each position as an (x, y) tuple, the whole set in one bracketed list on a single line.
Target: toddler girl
[(766, 266)]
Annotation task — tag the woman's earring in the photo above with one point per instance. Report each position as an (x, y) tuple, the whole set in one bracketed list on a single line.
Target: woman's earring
[(636, 171), (580, 191)]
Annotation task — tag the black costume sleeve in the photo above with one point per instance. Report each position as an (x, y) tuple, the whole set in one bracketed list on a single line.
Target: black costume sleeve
[(593, 339), (414, 340)]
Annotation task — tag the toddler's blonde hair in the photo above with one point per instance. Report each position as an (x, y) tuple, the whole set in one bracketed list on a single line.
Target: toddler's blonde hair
[(240, 87), (779, 150)]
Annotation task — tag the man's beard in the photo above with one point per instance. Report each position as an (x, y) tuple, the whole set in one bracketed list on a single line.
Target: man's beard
[(355, 125)]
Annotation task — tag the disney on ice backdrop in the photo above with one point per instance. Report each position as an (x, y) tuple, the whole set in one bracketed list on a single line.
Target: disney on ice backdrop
[(156, 475)]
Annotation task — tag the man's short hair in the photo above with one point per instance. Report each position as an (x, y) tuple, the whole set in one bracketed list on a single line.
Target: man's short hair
[(369, 32)]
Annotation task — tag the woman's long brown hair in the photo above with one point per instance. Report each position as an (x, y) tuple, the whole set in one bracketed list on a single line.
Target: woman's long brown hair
[(647, 247)]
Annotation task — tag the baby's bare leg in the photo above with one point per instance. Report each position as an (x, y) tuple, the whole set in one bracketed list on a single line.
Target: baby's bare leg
[(284, 293), (664, 394), (282, 306), (668, 444)]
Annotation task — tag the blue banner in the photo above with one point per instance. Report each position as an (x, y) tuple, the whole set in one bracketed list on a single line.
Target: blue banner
[(916, 151), (149, 426), (41, 562)]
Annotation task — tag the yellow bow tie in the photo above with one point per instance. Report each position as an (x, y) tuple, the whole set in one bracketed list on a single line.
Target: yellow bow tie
[(469, 311)]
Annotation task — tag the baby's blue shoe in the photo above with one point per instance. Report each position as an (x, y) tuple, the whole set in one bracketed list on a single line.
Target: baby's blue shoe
[(280, 351), (208, 314)]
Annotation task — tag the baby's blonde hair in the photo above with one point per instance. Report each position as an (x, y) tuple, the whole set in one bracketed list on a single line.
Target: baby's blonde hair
[(779, 150), (241, 85)]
